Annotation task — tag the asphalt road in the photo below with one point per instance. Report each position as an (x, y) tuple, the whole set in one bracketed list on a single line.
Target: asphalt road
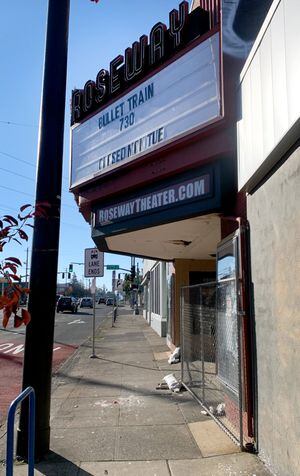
[(71, 330), (76, 328)]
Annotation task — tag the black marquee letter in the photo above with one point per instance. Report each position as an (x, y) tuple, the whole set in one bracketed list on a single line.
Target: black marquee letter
[(101, 85), (114, 82), (157, 42), (177, 24), (76, 105), (135, 58), (88, 95)]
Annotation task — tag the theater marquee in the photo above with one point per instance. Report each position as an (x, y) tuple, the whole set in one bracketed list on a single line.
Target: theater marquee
[(179, 99), (192, 193), (178, 193)]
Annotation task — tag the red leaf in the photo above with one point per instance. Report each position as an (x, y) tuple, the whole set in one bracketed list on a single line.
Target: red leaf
[(4, 301), (25, 290), (25, 217), (11, 266), (23, 235), (6, 316), (18, 321), (10, 219), (5, 231), (14, 260), (26, 316), (23, 207), (1, 224), (15, 277)]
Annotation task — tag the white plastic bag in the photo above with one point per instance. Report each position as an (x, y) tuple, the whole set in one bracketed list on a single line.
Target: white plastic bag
[(172, 383), (175, 357)]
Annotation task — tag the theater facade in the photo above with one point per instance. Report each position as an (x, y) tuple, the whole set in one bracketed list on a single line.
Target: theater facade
[(154, 171)]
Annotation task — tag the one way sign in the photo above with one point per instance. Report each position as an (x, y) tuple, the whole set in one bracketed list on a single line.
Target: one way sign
[(93, 263)]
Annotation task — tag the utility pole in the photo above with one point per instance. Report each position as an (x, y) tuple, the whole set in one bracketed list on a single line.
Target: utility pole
[(37, 370), (26, 267)]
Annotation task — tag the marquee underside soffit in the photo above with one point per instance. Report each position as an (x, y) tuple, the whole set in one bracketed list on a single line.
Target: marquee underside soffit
[(194, 238)]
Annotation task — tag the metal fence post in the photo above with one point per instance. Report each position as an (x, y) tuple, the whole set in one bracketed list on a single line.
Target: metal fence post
[(28, 392), (202, 344)]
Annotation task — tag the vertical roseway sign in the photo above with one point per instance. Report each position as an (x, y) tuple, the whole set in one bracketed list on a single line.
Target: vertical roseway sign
[(93, 263)]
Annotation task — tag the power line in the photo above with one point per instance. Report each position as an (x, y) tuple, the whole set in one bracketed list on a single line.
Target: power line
[(18, 159), (63, 222), (74, 225), (17, 191), (30, 195), (25, 177), (23, 161), (10, 123), (8, 208), (18, 175)]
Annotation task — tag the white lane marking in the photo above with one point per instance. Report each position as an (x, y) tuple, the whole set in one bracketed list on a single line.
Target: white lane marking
[(77, 321), (10, 348), (7, 345), (15, 350)]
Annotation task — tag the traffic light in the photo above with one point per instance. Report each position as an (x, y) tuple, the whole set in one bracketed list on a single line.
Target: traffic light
[(69, 275), (132, 275), (70, 268), (62, 275)]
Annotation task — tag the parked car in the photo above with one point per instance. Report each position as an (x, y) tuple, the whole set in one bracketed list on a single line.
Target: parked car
[(102, 300), (58, 296), (67, 303), (110, 302), (86, 302)]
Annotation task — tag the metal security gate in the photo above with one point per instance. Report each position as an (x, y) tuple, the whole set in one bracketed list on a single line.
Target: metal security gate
[(211, 353)]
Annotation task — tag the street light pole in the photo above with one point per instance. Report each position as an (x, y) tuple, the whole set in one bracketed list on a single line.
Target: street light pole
[(26, 269), (37, 368)]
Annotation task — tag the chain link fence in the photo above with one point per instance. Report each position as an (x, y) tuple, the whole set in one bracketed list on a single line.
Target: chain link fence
[(211, 362)]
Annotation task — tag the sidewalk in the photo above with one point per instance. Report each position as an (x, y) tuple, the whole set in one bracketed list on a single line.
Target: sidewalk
[(107, 418)]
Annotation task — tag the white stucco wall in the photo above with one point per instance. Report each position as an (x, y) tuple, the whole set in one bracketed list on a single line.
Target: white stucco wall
[(270, 93)]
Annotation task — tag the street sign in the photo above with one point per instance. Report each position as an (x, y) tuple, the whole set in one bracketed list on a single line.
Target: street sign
[(112, 266), (93, 263)]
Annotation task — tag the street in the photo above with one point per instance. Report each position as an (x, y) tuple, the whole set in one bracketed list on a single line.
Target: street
[(74, 329), (71, 330)]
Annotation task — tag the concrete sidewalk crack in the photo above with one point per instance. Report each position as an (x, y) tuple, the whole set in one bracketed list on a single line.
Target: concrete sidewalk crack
[(168, 466)]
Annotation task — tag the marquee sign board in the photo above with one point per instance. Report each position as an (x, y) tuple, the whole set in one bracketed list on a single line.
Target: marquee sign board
[(177, 193), (191, 193), (181, 98), (142, 58)]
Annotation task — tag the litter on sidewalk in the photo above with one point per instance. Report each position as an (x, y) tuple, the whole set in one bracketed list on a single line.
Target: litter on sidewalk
[(173, 383), (162, 386), (175, 356)]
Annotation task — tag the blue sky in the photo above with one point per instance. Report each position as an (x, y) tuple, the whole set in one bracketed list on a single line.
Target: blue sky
[(98, 33)]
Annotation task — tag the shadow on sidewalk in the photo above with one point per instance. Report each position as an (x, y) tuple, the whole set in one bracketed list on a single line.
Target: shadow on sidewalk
[(55, 464), (126, 364), (157, 393)]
